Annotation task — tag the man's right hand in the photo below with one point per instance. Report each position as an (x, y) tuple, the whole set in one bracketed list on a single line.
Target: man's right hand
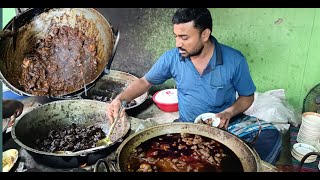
[(134, 90), (113, 110)]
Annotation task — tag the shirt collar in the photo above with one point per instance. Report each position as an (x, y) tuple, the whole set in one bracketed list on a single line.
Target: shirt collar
[(219, 60)]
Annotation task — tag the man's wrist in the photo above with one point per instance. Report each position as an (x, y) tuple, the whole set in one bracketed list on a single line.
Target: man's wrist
[(119, 98), (231, 112)]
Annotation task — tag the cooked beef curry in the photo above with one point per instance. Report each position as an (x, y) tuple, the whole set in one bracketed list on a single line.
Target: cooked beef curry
[(60, 63), (181, 152)]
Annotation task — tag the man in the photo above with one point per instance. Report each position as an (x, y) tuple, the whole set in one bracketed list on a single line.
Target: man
[(208, 75)]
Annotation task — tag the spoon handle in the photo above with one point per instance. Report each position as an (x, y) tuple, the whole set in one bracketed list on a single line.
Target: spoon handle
[(123, 105)]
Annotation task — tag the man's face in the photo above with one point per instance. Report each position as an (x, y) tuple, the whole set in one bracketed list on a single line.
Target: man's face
[(188, 39)]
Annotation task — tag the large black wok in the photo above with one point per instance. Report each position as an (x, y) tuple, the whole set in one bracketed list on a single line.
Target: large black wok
[(248, 157), (35, 23), (39, 121)]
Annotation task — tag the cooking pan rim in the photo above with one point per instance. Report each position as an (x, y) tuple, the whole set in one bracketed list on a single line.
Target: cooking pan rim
[(76, 91), (180, 123), (121, 147), (74, 154), (146, 94)]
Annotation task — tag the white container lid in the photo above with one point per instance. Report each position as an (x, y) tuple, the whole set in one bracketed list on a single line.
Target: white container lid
[(167, 96), (303, 149)]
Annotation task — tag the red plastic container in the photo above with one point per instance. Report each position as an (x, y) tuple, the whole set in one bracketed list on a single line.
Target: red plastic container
[(166, 100)]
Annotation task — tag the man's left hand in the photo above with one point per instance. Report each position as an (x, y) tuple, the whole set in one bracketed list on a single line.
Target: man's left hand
[(11, 108), (224, 119)]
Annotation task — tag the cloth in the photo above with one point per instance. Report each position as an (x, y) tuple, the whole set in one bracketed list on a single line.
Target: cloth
[(269, 142), (215, 90), (306, 167)]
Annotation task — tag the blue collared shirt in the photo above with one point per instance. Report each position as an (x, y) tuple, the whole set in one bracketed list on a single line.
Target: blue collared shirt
[(215, 90)]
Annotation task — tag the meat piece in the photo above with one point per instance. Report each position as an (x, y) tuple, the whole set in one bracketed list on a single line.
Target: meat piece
[(59, 63), (70, 138), (145, 168), (180, 153), (165, 165)]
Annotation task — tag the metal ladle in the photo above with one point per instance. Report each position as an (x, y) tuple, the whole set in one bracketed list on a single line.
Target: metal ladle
[(107, 140)]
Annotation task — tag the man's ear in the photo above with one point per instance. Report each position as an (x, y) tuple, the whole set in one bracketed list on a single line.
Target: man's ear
[(206, 34)]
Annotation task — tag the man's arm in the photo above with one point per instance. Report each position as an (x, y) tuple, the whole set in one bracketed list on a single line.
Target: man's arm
[(134, 90), (241, 105)]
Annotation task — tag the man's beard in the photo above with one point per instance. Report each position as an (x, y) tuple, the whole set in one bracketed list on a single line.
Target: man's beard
[(194, 53)]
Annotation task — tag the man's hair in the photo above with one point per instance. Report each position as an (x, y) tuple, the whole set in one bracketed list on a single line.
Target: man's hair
[(201, 17)]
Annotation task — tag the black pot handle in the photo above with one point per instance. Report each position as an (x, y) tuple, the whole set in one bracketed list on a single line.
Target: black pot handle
[(97, 165), (259, 131), (11, 33), (255, 138), (21, 10), (305, 157), (108, 166), (108, 67), (250, 144)]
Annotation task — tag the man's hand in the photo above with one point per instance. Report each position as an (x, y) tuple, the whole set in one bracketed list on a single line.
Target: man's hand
[(224, 119), (113, 110), (241, 105), (12, 108)]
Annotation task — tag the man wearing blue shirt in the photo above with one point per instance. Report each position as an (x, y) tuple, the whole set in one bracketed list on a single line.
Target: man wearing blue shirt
[(208, 75)]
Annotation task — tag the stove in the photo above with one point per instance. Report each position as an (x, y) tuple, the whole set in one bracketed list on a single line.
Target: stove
[(26, 163)]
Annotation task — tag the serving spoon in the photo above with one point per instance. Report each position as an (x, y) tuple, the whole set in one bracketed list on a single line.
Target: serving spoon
[(107, 140)]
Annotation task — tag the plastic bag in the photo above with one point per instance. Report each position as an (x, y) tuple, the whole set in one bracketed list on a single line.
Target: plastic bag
[(272, 106)]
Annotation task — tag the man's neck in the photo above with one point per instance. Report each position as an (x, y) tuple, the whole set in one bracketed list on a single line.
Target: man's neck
[(201, 61), (206, 53)]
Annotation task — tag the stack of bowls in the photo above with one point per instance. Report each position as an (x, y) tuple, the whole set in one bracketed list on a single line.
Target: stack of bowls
[(299, 150), (309, 132)]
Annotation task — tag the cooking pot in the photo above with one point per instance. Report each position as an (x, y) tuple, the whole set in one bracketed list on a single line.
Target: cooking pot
[(106, 82), (34, 24), (39, 121), (248, 157), (102, 88)]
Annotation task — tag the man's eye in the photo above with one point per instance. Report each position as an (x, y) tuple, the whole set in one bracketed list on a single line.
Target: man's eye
[(184, 38)]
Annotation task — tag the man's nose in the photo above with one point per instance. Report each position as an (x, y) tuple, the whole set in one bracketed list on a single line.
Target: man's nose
[(178, 44)]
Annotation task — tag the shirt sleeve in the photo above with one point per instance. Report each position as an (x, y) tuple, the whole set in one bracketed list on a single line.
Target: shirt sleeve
[(160, 71), (242, 80)]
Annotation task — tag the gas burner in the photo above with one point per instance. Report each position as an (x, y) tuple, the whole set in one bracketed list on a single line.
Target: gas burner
[(26, 163), (42, 168)]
